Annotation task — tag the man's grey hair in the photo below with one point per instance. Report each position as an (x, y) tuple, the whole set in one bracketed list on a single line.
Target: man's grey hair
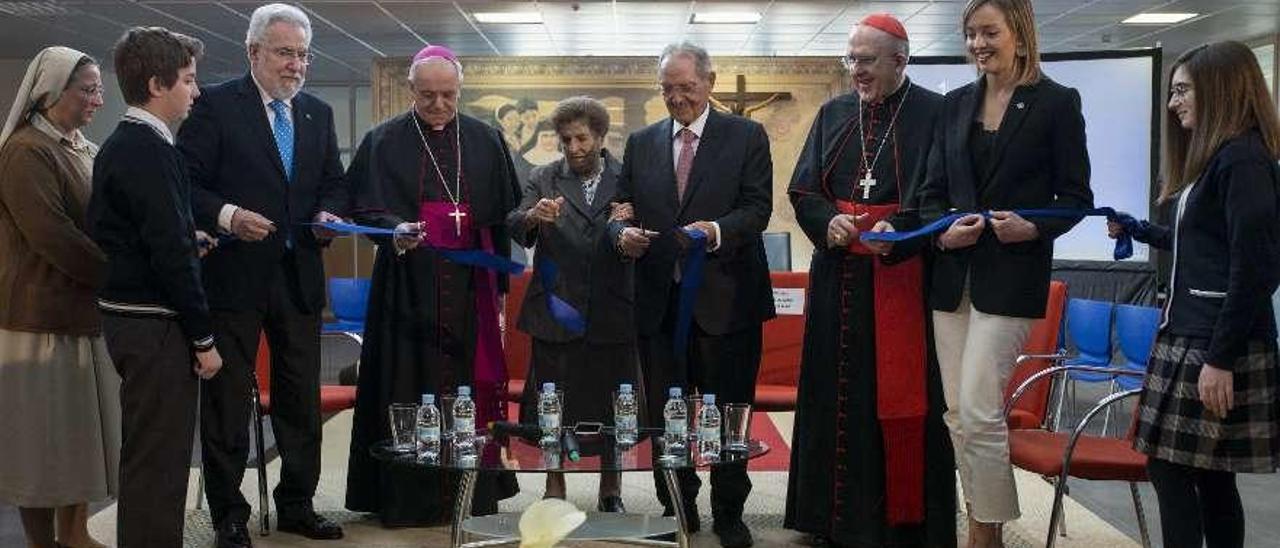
[(270, 14), (701, 59), (413, 67)]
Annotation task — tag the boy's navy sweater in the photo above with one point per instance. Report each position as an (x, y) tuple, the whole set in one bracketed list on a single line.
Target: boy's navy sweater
[(140, 215)]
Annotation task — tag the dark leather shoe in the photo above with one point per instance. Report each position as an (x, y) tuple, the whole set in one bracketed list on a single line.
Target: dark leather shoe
[(733, 533), (313, 526), (611, 503), (233, 535)]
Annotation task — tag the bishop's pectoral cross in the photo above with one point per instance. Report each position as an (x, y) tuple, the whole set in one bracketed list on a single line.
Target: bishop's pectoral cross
[(457, 215), (866, 183), (737, 101)]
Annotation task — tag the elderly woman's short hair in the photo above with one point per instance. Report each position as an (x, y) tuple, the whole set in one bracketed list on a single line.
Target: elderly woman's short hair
[(270, 14), (582, 109)]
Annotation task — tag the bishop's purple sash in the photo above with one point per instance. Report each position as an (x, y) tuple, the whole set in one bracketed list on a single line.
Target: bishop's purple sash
[(489, 370), (441, 231)]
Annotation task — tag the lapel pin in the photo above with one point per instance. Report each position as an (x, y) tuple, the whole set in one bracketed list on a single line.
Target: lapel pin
[(308, 115), (1020, 106)]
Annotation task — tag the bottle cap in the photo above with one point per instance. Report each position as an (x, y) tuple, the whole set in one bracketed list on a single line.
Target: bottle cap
[(624, 388), (548, 387), (464, 391), (428, 399), (709, 399), (675, 392)]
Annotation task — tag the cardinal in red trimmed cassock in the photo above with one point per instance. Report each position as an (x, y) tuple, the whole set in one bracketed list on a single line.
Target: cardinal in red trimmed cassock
[(871, 460)]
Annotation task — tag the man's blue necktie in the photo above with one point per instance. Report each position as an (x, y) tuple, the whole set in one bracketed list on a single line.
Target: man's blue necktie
[(282, 128)]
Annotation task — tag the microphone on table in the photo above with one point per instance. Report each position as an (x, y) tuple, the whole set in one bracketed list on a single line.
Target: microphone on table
[(504, 429), (532, 433), (570, 444)]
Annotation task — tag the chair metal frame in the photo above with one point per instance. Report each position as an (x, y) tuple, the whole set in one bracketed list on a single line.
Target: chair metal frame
[(1060, 487), (259, 441)]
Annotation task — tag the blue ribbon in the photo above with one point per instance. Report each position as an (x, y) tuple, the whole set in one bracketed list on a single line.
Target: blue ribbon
[(561, 311), (1124, 244), (470, 257), (690, 281), (481, 259), (352, 228)]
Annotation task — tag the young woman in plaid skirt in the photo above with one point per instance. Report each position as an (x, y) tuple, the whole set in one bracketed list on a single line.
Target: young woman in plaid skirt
[(1209, 403)]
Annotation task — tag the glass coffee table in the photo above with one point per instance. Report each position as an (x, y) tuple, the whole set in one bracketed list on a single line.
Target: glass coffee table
[(518, 455)]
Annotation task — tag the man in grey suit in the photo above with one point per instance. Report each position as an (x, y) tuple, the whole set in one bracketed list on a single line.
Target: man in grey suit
[(564, 212)]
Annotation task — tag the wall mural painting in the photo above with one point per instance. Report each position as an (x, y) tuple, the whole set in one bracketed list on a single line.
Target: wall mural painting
[(517, 96)]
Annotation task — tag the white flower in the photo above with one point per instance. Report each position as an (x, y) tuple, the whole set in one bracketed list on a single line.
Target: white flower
[(547, 522)]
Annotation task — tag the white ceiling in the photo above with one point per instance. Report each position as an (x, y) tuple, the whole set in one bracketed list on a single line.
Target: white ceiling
[(350, 33)]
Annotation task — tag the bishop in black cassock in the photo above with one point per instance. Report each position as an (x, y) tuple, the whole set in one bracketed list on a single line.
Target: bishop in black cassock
[(871, 460), (431, 324)]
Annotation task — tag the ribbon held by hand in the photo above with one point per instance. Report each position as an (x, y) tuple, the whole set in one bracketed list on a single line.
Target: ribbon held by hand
[(1124, 243)]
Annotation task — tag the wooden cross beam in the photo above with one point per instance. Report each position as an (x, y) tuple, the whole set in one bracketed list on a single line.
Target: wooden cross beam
[(740, 101)]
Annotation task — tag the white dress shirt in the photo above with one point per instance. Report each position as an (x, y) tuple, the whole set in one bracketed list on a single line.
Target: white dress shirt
[(139, 114)]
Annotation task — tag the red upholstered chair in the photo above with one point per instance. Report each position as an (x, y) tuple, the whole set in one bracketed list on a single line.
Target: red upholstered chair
[(780, 357), (1059, 455), (333, 398), (516, 344), (1038, 353)]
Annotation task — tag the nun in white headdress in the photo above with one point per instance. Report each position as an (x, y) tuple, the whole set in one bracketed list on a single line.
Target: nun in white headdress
[(59, 395)]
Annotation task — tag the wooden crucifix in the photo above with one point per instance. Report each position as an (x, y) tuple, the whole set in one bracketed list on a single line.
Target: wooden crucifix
[(739, 101)]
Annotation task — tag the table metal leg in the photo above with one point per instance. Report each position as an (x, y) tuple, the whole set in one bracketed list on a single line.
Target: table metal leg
[(462, 511), (677, 501)]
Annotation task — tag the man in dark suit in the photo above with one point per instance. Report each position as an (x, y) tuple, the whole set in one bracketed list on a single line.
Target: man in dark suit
[(709, 172), (263, 160)]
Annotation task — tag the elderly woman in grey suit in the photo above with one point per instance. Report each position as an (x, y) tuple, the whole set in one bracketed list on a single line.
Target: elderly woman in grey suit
[(564, 212), (59, 395)]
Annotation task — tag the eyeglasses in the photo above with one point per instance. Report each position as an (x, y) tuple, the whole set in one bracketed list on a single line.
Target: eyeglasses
[(302, 56), (851, 61), (678, 89), (1180, 91), (95, 90)]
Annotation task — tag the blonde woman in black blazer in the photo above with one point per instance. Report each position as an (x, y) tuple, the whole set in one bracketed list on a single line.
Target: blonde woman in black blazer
[(1013, 139), (1209, 405)]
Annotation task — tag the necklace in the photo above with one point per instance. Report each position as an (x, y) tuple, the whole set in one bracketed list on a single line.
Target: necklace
[(867, 180), (455, 194)]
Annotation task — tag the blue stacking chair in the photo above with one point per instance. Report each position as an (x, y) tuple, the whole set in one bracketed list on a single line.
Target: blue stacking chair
[(1088, 323), (349, 298), (1136, 328)]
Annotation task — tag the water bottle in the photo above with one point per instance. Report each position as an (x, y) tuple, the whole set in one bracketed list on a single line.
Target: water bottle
[(676, 414), (549, 414), (625, 427), (428, 428), (709, 428), (464, 424)]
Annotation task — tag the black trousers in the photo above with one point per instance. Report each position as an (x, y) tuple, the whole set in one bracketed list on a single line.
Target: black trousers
[(1198, 507), (158, 398), (294, 338), (724, 365)]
